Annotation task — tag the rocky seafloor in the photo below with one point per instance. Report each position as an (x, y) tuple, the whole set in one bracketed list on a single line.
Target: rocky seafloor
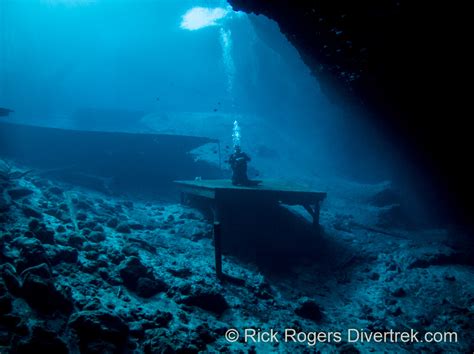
[(83, 271)]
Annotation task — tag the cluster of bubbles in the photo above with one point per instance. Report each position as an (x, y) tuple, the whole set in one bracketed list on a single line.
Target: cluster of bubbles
[(229, 66), (236, 134)]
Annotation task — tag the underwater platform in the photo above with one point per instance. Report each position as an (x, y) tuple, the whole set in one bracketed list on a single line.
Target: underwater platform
[(222, 193)]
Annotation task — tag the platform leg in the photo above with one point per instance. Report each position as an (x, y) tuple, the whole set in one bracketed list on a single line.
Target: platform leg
[(218, 248), (314, 210)]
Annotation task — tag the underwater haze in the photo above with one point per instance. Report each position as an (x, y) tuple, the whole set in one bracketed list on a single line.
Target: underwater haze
[(173, 178), (63, 59)]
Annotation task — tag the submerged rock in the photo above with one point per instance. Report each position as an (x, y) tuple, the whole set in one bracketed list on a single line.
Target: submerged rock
[(160, 342), (11, 278), (96, 236), (75, 240), (5, 304), (400, 292), (209, 300), (161, 318), (18, 193), (147, 287), (32, 252), (4, 205), (41, 341), (204, 336), (81, 216), (99, 331), (309, 309), (141, 244), (63, 254), (57, 213), (42, 270), (348, 348), (180, 272), (43, 296), (132, 269), (55, 190), (140, 279), (44, 235), (113, 222), (136, 226), (123, 228), (31, 212)]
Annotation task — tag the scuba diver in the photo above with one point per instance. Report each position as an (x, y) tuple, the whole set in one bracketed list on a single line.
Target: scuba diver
[(238, 163)]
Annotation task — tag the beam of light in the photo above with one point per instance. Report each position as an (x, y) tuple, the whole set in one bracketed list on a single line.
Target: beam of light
[(200, 17)]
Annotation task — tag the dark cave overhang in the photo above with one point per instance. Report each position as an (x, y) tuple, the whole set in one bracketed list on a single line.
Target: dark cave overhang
[(394, 63), (352, 47)]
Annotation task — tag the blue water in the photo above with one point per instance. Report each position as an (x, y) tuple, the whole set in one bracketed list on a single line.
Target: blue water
[(59, 58), (99, 254)]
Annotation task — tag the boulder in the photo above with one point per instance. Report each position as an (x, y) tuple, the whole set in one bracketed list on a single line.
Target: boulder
[(57, 213), (99, 331), (42, 270), (96, 236), (399, 292), (41, 232), (32, 252), (76, 240), (161, 318), (98, 228), (31, 212), (17, 193), (61, 228), (43, 296), (41, 341), (4, 205), (136, 226), (203, 336), (14, 324), (309, 309), (123, 228), (45, 235), (131, 269), (140, 279), (55, 190), (147, 287), (34, 224), (81, 216), (112, 223), (11, 279), (160, 342), (142, 244), (348, 348), (208, 300), (5, 304), (63, 254)]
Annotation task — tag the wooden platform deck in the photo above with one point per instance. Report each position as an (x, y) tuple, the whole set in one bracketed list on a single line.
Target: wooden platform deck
[(221, 192), (291, 194)]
